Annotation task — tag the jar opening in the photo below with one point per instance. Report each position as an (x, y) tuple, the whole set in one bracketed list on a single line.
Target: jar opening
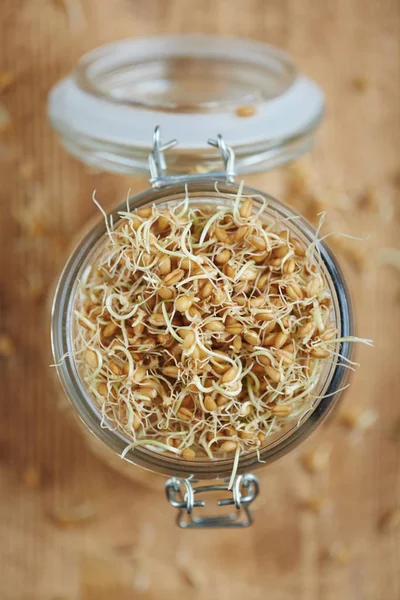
[(62, 346), (186, 74)]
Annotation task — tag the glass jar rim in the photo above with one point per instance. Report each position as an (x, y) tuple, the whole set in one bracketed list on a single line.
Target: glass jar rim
[(67, 370), (111, 71), (106, 109)]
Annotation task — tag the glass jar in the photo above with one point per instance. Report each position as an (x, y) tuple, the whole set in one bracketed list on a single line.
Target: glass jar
[(109, 78), (191, 85)]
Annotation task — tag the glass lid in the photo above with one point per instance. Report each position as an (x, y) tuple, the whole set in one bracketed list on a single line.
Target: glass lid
[(194, 87)]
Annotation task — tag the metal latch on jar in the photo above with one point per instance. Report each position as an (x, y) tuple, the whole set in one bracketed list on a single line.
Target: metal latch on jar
[(158, 165), (181, 495)]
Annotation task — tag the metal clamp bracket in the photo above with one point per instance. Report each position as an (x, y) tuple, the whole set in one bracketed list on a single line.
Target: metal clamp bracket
[(158, 165), (181, 495)]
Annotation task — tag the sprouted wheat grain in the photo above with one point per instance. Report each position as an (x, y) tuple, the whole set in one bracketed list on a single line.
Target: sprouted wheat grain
[(202, 331)]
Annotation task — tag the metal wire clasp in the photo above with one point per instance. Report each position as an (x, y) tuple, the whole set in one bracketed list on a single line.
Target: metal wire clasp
[(158, 165), (181, 495)]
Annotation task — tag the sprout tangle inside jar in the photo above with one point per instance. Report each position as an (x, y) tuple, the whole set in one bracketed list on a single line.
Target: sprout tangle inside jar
[(204, 329)]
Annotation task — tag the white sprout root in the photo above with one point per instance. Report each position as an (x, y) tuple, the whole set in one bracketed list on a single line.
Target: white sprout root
[(203, 331)]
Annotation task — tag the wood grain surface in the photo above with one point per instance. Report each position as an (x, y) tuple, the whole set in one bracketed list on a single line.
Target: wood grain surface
[(50, 483)]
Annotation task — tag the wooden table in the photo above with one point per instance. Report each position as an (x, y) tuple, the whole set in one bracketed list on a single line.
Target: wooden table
[(132, 548)]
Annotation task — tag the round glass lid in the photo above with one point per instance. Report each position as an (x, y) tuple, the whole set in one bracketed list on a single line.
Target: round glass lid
[(194, 87)]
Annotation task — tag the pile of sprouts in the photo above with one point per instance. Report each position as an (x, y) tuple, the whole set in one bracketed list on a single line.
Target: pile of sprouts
[(203, 329)]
